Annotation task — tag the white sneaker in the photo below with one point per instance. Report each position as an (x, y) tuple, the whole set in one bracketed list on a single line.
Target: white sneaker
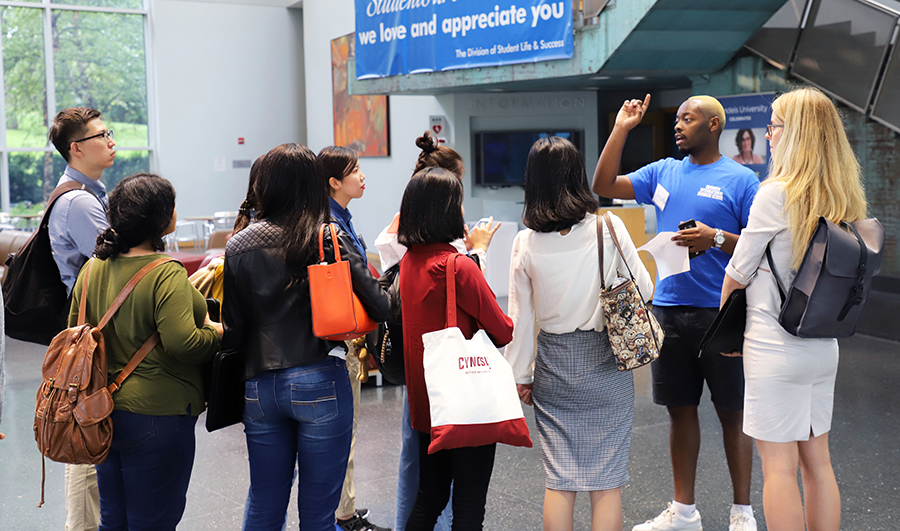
[(671, 520), (742, 522)]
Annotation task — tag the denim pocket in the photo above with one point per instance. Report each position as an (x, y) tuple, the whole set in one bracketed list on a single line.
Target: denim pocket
[(131, 430), (314, 402), (252, 408)]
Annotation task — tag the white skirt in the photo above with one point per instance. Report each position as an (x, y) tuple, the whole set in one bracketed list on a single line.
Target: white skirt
[(789, 381)]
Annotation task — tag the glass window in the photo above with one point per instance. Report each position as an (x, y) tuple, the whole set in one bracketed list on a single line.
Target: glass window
[(32, 177), (127, 4), (127, 163), (100, 63), (23, 76)]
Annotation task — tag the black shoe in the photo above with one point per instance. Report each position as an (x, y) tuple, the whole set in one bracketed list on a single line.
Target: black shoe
[(359, 522)]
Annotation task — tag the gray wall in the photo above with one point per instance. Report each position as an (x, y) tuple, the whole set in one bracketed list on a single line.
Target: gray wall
[(223, 71)]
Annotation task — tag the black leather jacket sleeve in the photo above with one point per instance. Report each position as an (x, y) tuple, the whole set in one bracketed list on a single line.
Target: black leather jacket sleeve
[(365, 286)]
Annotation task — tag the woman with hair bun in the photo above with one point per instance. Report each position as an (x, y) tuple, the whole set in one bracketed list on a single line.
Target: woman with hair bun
[(143, 482), (475, 244)]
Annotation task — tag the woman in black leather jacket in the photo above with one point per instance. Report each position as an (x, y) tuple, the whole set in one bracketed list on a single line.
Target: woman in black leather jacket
[(298, 407)]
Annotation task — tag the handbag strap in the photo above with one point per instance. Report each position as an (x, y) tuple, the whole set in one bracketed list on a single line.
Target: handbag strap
[(334, 242), (612, 232), (451, 290), (600, 252)]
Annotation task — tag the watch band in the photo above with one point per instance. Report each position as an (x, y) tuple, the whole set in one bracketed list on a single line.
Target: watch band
[(719, 239)]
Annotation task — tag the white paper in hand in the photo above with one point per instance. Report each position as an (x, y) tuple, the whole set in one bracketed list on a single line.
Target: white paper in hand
[(670, 259)]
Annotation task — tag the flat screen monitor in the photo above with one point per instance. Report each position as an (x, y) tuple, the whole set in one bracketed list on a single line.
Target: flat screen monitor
[(500, 156), (887, 103), (842, 48), (775, 41)]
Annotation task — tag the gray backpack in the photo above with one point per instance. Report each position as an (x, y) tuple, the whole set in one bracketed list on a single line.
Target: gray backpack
[(829, 292)]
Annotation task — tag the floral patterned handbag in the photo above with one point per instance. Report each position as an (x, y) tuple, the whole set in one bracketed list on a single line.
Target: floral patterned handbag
[(634, 333)]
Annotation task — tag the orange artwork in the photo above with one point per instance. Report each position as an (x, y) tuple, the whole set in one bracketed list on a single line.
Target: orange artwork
[(360, 122)]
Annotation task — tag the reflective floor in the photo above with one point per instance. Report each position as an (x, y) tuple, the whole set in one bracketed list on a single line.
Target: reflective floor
[(865, 447)]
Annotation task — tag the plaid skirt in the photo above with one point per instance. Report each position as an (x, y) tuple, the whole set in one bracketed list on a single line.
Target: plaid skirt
[(584, 409)]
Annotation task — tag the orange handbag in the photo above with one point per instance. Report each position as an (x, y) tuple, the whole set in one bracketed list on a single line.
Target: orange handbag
[(337, 313)]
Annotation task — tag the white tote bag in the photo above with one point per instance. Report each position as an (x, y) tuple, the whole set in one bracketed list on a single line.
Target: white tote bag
[(471, 388)]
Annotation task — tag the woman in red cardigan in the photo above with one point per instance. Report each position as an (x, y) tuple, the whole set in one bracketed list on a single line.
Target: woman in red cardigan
[(431, 217)]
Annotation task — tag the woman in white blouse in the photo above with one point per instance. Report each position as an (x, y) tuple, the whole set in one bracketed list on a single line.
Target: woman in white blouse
[(583, 405), (789, 391)]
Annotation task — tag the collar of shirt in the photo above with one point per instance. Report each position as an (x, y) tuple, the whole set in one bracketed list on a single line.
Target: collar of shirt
[(340, 213), (97, 187)]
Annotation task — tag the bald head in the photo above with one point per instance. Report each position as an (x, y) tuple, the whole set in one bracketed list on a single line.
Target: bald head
[(710, 107)]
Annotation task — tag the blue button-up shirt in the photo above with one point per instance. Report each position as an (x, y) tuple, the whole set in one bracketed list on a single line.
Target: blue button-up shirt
[(342, 217), (76, 220)]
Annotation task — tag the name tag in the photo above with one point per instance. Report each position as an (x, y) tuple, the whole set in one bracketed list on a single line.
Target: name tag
[(660, 197)]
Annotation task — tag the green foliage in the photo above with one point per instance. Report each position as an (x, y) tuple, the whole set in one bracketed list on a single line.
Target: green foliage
[(27, 184), (98, 61)]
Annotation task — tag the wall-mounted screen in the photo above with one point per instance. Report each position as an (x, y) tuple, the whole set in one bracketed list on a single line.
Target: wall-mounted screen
[(775, 41), (887, 104), (842, 48), (500, 156)]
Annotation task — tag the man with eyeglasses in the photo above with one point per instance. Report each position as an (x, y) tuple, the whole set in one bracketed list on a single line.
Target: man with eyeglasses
[(705, 199), (75, 221)]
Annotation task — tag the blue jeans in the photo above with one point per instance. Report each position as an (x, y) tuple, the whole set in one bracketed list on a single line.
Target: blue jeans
[(408, 475), (303, 417), (144, 481)]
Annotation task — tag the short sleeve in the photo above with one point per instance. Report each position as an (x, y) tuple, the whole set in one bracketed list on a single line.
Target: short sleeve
[(644, 181)]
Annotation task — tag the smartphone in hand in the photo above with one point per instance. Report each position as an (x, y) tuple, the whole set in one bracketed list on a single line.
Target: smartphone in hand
[(690, 224)]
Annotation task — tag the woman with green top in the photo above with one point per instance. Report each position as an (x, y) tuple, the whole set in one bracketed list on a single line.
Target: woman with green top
[(143, 482)]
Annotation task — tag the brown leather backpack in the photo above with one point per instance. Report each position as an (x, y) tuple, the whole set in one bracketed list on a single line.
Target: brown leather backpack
[(72, 421)]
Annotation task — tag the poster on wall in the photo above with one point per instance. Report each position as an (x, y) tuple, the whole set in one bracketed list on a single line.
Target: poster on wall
[(360, 122), (744, 136), (396, 37)]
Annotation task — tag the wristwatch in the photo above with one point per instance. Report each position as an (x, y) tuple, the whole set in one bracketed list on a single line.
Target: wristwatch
[(719, 239)]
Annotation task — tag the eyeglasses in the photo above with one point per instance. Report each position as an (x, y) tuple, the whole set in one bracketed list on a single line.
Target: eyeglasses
[(107, 135), (771, 128)]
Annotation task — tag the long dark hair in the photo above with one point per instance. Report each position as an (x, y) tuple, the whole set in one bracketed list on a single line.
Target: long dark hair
[(290, 192), (431, 209), (248, 207), (435, 155), (556, 189), (140, 209)]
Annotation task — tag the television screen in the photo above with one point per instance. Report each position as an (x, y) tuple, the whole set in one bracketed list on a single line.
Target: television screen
[(843, 47), (500, 156), (775, 41), (887, 105)]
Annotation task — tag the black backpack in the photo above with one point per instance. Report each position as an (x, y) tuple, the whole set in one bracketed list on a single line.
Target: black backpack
[(36, 303), (388, 348), (827, 296)]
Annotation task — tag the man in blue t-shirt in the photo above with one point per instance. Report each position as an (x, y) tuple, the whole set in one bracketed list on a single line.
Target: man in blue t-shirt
[(715, 192)]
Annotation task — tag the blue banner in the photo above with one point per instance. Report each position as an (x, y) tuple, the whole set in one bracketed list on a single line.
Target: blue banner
[(396, 37), (744, 135)]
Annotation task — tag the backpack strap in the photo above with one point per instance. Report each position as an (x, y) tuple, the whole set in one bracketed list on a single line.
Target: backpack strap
[(134, 362), (126, 291), (774, 272)]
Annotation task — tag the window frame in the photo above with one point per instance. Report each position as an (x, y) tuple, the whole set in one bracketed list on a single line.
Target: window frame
[(47, 7)]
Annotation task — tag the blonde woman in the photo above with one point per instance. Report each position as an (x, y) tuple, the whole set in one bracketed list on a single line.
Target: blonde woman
[(789, 391)]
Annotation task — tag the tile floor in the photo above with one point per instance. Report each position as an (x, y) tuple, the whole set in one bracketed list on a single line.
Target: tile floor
[(865, 446)]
